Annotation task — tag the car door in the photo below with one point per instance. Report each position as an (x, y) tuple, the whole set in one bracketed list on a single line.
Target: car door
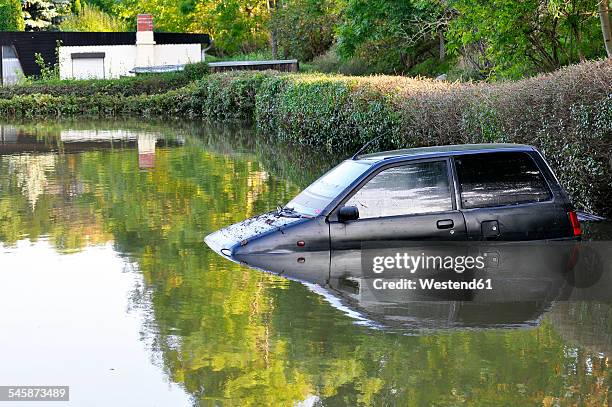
[(406, 201), (505, 196), (510, 211)]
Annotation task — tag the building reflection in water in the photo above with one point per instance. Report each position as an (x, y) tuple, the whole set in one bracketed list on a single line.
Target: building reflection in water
[(146, 150), (31, 167), (8, 134), (144, 141)]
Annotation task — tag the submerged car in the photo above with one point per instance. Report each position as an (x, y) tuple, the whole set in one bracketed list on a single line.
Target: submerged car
[(471, 192)]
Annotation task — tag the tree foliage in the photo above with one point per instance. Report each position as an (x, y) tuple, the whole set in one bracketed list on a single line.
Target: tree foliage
[(500, 38), (305, 28), (105, 5), (391, 36), (44, 14), (468, 39), (91, 18), (11, 18), (235, 25), (511, 38)]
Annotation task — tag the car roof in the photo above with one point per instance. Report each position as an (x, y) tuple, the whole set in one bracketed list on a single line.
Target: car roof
[(424, 152)]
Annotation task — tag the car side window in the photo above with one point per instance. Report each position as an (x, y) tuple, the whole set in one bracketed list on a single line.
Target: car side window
[(404, 190), (499, 179)]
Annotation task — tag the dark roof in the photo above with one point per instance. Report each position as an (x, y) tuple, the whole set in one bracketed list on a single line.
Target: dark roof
[(44, 43), (445, 150)]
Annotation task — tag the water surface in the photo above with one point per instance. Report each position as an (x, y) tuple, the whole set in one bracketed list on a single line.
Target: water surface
[(106, 286)]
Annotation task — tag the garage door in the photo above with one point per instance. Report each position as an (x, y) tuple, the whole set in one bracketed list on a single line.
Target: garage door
[(88, 66)]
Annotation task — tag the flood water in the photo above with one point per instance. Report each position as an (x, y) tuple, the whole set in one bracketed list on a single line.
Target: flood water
[(106, 287)]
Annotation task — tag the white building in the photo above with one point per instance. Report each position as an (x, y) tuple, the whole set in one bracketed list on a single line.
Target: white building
[(113, 61), (84, 55)]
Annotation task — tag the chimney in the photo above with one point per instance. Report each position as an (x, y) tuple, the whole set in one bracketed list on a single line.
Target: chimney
[(145, 43), (145, 22)]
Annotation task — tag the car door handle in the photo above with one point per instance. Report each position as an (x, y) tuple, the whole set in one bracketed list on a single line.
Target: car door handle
[(445, 224)]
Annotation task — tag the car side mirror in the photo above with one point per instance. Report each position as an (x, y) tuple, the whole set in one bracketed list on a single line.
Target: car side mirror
[(347, 213)]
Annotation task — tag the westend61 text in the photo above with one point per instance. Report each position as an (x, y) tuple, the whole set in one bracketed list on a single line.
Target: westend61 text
[(432, 284)]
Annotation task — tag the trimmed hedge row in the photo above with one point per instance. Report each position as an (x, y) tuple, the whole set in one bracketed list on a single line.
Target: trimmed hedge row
[(218, 96), (566, 114), (127, 86)]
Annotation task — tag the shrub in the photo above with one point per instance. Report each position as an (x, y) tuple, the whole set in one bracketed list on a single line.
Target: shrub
[(195, 71), (228, 95), (11, 17), (257, 55), (325, 110), (221, 96), (137, 85), (48, 72), (328, 62), (359, 65)]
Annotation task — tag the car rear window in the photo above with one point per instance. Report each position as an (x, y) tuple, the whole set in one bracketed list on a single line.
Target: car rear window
[(499, 179)]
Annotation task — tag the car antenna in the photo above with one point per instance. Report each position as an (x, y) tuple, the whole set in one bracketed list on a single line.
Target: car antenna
[(354, 157)]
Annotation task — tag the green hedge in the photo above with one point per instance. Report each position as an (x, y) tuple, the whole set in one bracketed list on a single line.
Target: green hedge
[(127, 86), (566, 114), (219, 96)]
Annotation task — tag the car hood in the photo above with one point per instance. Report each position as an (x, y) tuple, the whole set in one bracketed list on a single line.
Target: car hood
[(224, 241)]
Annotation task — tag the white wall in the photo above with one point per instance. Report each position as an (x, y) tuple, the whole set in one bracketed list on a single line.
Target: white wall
[(118, 60), (177, 54), (121, 59)]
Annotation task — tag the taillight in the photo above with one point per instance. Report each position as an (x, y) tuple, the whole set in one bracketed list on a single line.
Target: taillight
[(575, 223)]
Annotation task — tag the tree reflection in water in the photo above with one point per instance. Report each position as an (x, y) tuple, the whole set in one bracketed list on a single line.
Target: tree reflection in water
[(241, 337)]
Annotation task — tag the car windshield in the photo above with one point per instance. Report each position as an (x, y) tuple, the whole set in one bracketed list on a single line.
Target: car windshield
[(322, 192)]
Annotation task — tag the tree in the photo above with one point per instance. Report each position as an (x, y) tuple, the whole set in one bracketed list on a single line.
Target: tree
[(604, 17), (171, 16), (91, 18), (235, 25), (490, 38), (304, 28), (389, 35), (108, 6), (505, 38), (76, 6), (272, 8), (11, 18), (43, 15)]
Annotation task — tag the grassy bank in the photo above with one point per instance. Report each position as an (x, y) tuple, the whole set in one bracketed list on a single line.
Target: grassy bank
[(567, 114)]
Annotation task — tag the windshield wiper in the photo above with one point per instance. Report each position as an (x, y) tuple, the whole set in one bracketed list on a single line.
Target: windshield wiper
[(288, 212)]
